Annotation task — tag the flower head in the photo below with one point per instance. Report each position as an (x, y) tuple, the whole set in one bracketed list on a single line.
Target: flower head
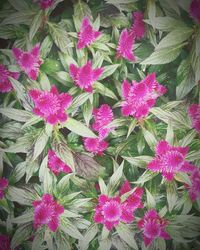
[(95, 145), (87, 34), (195, 10), (138, 28), (194, 113), (4, 242), (85, 76), (45, 4), (3, 186), (170, 160), (47, 212), (51, 105), (29, 61), (153, 226), (56, 164), (5, 84), (125, 45), (194, 188), (140, 97)]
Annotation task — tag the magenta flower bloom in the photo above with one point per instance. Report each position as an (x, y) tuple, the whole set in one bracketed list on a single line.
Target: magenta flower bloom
[(95, 145), (56, 164), (3, 186), (170, 160), (138, 28), (51, 105), (85, 76), (4, 242), (194, 189), (87, 34), (45, 4), (194, 113), (141, 97), (29, 61), (125, 45), (195, 10), (153, 226), (103, 116), (47, 212), (5, 84)]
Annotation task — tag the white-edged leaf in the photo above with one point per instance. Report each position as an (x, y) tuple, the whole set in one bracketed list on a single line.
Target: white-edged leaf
[(108, 70), (16, 114), (151, 203), (103, 187), (103, 90), (171, 189), (37, 21), (146, 176)]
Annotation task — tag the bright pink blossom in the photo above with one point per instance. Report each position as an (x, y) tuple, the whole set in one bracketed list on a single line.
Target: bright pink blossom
[(103, 116), (111, 211), (3, 186), (47, 212), (45, 4), (153, 226), (194, 188), (138, 27), (125, 45), (141, 97), (194, 113), (29, 61), (95, 145), (51, 105), (170, 160), (195, 10), (5, 84), (87, 34), (4, 242), (56, 164), (85, 76)]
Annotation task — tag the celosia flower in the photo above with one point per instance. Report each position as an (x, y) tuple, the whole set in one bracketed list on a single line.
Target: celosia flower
[(103, 116), (95, 145), (141, 97), (170, 160), (195, 10), (153, 226), (111, 211), (194, 188), (5, 84), (138, 28), (85, 76), (4, 242), (3, 186), (29, 61), (56, 164), (87, 34), (45, 4), (194, 113), (125, 45), (51, 105), (47, 212)]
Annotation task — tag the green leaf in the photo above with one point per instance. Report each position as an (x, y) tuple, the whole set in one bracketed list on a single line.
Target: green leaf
[(146, 176), (20, 17), (103, 187), (78, 128), (171, 195), (21, 234), (101, 89), (19, 4), (69, 228), (150, 139), (88, 236), (170, 134), (151, 203), (16, 114), (108, 70), (46, 46), (22, 219), (78, 101), (138, 161), (35, 25)]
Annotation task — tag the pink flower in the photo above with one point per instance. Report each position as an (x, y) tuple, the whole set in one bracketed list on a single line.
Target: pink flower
[(56, 164), (87, 34), (112, 211), (170, 160), (103, 116), (138, 28), (29, 61), (125, 45), (4, 242), (195, 10), (5, 84), (194, 113), (51, 105), (141, 97), (47, 212), (3, 186), (45, 4), (153, 226), (95, 145), (194, 189), (85, 76)]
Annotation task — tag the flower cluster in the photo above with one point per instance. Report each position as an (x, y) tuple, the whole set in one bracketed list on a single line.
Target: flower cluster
[(5, 84), (140, 97), (153, 226), (138, 27), (194, 10), (47, 212), (194, 188), (194, 113), (51, 105), (3, 186), (4, 242), (45, 4), (56, 164), (170, 160), (111, 211)]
